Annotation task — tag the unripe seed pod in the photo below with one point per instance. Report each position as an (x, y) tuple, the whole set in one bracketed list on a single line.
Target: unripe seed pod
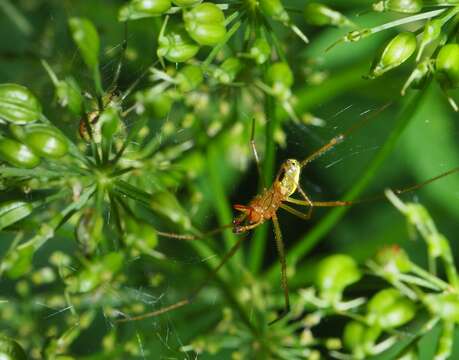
[(206, 24), (389, 309), (402, 6), (177, 46), (45, 141), (17, 154), (260, 51), (10, 349), (393, 259), (18, 105), (138, 9), (189, 78), (334, 274), (110, 122), (447, 65), (395, 53), (228, 70), (321, 15), (274, 9), (185, 3)]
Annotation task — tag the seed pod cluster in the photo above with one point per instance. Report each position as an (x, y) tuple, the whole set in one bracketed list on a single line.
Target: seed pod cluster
[(30, 140)]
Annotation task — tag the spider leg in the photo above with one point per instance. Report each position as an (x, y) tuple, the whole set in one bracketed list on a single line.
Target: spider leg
[(322, 203), (189, 299), (307, 199), (295, 212), (284, 282), (340, 137)]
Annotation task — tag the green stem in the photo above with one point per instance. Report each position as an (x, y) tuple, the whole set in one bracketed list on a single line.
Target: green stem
[(16, 17), (220, 203), (331, 219), (258, 243)]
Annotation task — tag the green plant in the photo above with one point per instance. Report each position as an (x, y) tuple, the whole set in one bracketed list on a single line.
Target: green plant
[(127, 142)]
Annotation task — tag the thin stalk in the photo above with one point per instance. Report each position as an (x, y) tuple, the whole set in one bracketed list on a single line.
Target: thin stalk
[(258, 243), (331, 219), (220, 201)]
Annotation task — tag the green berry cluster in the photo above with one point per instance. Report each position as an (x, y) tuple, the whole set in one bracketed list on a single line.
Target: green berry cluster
[(433, 42)]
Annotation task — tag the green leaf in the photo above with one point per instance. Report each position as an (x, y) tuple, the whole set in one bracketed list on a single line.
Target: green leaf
[(85, 36)]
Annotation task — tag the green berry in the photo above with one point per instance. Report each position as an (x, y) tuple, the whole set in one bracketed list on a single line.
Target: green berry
[(17, 154), (228, 70), (186, 3), (45, 141), (396, 52), (138, 9), (389, 309), (445, 306), (447, 65), (334, 274), (189, 78), (402, 6), (206, 24), (18, 105), (177, 46)]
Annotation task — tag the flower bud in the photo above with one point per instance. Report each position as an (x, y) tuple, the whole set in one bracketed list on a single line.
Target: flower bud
[(275, 10), (138, 9), (206, 24), (389, 309), (334, 274), (18, 105), (186, 3), (45, 141), (402, 6), (447, 65), (321, 15), (17, 154), (260, 51), (393, 259), (10, 349), (395, 53), (176, 45), (189, 78), (228, 70)]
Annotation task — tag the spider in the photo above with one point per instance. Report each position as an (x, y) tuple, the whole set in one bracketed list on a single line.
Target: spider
[(264, 207)]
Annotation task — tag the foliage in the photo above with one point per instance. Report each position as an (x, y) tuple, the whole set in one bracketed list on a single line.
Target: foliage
[(124, 141)]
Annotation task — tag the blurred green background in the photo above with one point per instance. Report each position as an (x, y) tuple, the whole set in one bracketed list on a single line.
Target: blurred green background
[(427, 148)]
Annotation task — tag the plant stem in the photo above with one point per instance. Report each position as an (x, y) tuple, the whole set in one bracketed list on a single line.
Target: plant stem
[(331, 219), (258, 243), (220, 203)]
